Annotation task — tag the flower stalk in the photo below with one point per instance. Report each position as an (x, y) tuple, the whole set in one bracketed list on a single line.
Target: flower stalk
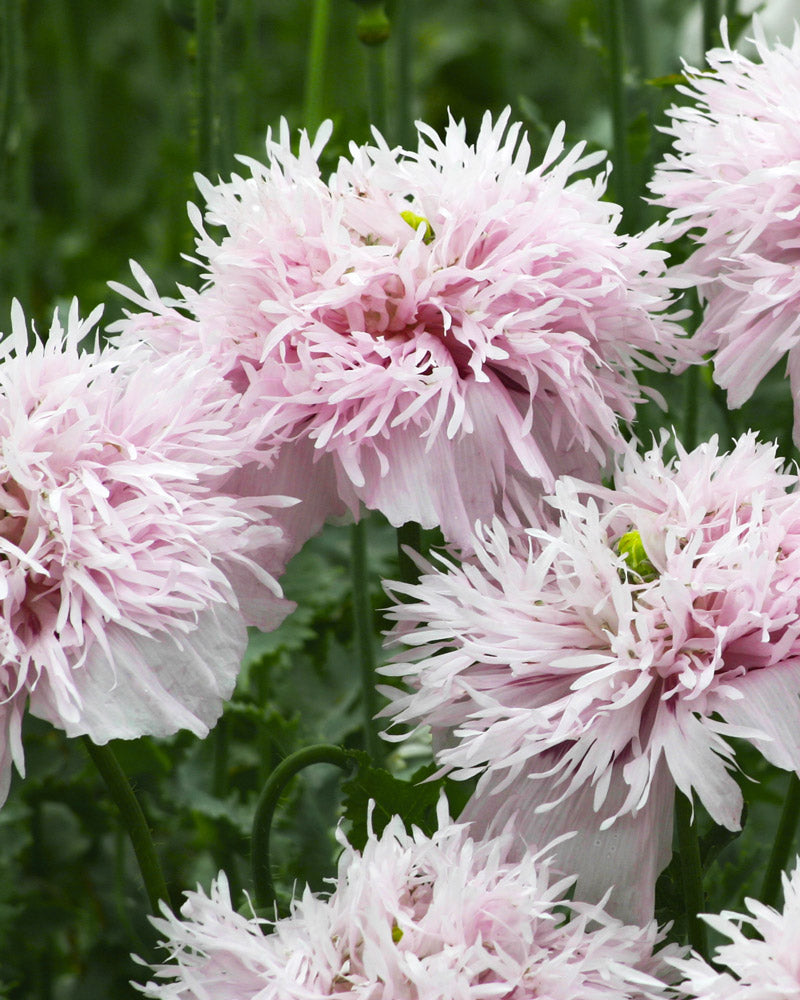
[(363, 620), (317, 60), (692, 873), (784, 842), (133, 819), (207, 137), (274, 787)]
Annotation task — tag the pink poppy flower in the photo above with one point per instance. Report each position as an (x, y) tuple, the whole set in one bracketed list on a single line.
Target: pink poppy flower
[(128, 575), (448, 328), (414, 918), (731, 182), (766, 967), (586, 671)]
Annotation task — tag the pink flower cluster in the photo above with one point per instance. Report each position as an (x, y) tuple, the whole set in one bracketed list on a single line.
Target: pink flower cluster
[(732, 184), (425, 314), (128, 573), (587, 670), (415, 918)]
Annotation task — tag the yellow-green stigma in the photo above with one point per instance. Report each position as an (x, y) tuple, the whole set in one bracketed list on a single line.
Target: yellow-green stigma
[(397, 934), (415, 221), (630, 546)]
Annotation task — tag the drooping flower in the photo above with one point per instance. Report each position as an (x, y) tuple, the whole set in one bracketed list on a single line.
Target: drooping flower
[(732, 183), (761, 968), (587, 670), (126, 573), (426, 314), (414, 918)]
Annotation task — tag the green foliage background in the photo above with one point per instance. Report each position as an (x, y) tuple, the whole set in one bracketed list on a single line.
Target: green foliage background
[(98, 143)]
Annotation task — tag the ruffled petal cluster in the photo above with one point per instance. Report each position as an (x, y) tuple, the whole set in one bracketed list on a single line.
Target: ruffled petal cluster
[(732, 183), (425, 314), (763, 967), (586, 670), (414, 918), (128, 574)]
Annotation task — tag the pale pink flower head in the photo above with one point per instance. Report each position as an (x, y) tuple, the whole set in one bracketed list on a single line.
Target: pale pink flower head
[(445, 326), (589, 672), (415, 918), (732, 183), (128, 575), (766, 967)]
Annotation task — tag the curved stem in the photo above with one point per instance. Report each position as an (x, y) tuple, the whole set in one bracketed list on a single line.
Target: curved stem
[(692, 873), (782, 847), (315, 69), (133, 819), (322, 753), (362, 611)]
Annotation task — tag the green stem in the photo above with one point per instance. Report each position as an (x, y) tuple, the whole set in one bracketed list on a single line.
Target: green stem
[(784, 842), (619, 113), (376, 87), (410, 535), (692, 873), (207, 139), (691, 405), (315, 69), (711, 21), (404, 103), (15, 163), (362, 612), (133, 820), (322, 753)]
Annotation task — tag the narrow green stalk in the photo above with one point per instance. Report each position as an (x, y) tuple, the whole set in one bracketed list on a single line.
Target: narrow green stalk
[(615, 39), (206, 88), (322, 753), (362, 611), (404, 77), (315, 68), (15, 154), (376, 87), (691, 406), (410, 535), (133, 820), (783, 845), (692, 874), (73, 113), (711, 21)]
